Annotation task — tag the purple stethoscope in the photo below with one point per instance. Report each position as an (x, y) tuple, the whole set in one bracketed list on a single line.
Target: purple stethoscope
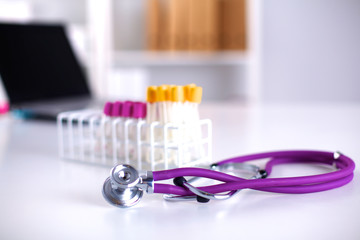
[(125, 186)]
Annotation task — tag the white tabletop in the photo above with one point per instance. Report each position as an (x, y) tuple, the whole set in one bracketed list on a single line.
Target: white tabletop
[(43, 197)]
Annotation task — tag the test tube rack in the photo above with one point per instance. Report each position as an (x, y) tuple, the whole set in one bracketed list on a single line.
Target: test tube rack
[(90, 137)]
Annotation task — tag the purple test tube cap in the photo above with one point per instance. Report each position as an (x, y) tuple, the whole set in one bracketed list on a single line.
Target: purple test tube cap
[(144, 109), (127, 109), (139, 110), (108, 108), (116, 109)]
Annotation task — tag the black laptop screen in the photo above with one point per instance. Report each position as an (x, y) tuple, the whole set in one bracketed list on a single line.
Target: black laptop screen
[(37, 63)]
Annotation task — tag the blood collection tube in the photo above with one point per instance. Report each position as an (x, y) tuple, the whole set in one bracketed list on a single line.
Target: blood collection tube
[(187, 103), (177, 102), (138, 114), (195, 100), (162, 95), (151, 105)]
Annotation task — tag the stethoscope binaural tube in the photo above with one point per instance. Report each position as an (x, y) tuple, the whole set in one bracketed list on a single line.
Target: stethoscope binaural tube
[(306, 184), (342, 174)]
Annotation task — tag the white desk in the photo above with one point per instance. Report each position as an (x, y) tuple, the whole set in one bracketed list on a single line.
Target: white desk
[(42, 197)]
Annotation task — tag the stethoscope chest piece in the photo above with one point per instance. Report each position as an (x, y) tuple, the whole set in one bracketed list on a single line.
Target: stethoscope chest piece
[(120, 189)]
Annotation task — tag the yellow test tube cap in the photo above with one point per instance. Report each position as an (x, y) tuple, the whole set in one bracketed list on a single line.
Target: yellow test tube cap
[(196, 94), (177, 94), (167, 92), (163, 93), (151, 94), (187, 90)]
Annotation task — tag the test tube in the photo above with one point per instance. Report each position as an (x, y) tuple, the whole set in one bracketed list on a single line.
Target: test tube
[(151, 105), (118, 129), (104, 145), (177, 102), (139, 113), (195, 100), (129, 134), (187, 103), (162, 97)]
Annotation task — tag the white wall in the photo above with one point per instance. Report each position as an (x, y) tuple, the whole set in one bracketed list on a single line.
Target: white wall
[(69, 11), (220, 83), (129, 24), (311, 50)]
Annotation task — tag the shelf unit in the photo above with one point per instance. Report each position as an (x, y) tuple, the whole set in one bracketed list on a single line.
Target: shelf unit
[(151, 58), (105, 58)]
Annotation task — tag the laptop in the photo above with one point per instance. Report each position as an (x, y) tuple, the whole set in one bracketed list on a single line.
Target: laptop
[(40, 72)]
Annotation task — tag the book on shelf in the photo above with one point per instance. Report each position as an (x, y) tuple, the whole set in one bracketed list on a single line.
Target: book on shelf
[(152, 20), (164, 26), (158, 16), (233, 24), (179, 24), (203, 33), (196, 25)]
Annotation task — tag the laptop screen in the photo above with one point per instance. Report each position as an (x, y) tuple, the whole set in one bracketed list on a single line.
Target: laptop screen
[(38, 64)]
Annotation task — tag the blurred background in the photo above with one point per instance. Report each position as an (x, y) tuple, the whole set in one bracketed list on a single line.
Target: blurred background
[(245, 51)]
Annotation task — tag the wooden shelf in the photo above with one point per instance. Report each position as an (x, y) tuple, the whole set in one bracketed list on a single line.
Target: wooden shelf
[(149, 58)]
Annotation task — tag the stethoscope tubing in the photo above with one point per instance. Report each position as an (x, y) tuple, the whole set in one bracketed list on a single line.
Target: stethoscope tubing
[(294, 185)]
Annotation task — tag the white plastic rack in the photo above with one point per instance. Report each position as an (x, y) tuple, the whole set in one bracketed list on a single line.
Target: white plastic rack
[(89, 136)]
